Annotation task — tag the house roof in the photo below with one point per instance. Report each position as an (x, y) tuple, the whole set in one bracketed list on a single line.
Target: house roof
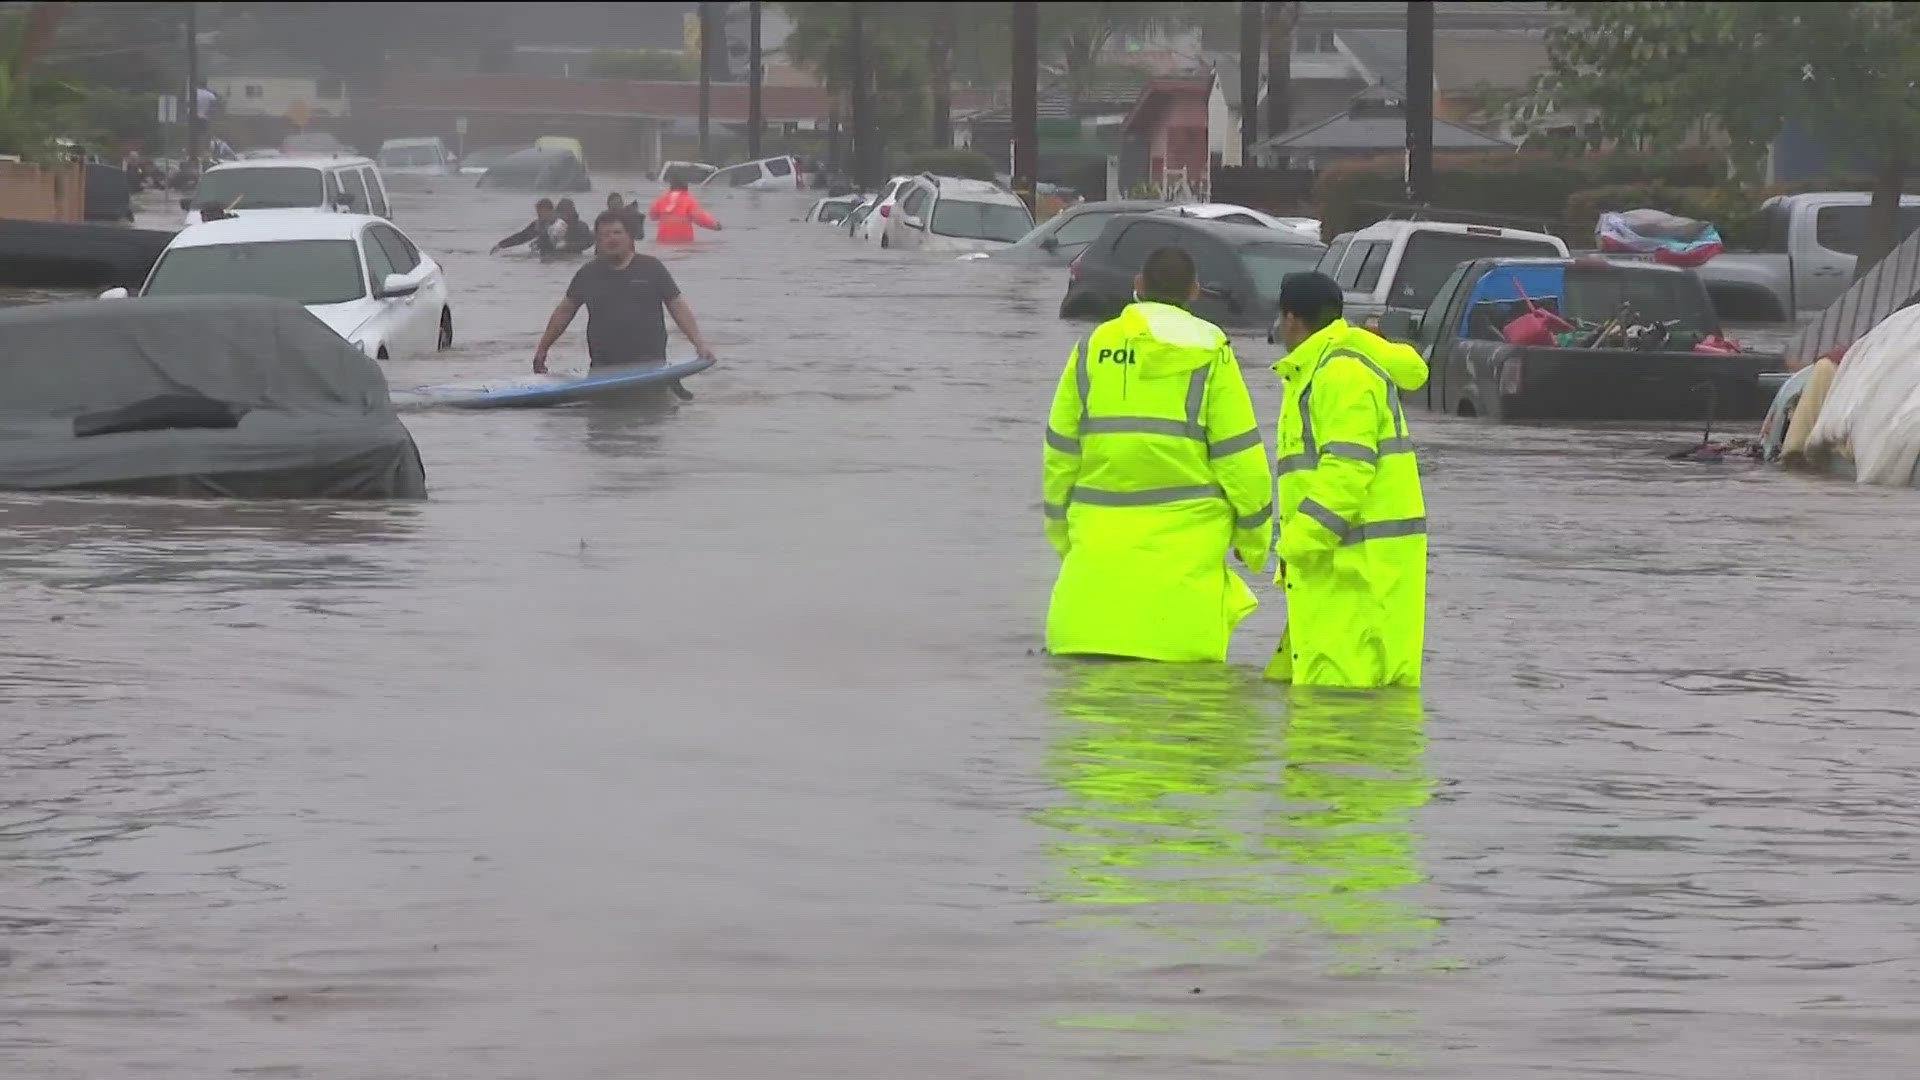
[(1162, 90), (1377, 128), (530, 96), (1381, 54)]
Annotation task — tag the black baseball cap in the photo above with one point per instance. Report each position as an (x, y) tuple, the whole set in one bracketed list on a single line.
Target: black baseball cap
[(1312, 296)]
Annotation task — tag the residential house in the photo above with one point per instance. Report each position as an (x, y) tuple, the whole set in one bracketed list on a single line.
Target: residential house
[(275, 86), (1164, 138), (1374, 124), (1072, 127), (263, 97)]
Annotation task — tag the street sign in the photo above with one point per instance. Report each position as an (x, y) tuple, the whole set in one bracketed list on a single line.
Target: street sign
[(460, 126), (169, 108)]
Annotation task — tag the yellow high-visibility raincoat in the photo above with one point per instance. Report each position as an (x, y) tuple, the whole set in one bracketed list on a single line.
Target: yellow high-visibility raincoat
[(1353, 523), (1154, 468)]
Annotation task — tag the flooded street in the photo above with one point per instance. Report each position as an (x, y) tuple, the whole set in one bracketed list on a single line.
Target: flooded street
[(717, 744)]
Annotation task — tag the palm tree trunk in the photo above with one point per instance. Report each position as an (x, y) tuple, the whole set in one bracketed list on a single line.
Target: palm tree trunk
[(940, 67), (1282, 17)]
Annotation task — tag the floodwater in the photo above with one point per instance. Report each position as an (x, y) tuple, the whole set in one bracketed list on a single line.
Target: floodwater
[(716, 744)]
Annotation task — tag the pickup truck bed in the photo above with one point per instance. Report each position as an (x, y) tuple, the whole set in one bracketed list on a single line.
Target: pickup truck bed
[(1501, 381)]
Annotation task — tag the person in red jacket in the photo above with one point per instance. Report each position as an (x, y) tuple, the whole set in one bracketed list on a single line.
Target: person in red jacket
[(678, 212)]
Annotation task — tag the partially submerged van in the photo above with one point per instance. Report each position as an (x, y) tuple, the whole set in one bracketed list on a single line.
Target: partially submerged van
[(426, 156), (322, 185)]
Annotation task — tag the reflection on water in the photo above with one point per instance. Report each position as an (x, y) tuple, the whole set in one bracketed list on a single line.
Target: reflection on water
[(1238, 823)]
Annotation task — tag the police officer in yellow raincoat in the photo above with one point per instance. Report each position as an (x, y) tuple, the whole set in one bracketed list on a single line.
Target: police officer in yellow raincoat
[(1154, 469), (1353, 523)]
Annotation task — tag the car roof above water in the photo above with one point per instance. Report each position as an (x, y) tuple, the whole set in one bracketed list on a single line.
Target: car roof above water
[(267, 227), (304, 161)]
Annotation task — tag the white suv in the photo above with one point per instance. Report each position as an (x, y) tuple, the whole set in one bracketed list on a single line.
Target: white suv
[(947, 213), (345, 185)]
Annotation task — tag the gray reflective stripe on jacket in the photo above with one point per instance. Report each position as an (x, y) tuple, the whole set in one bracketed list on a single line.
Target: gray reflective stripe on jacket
[(1149, 497), (1401, 443), (1193, 427), (1351, 534)]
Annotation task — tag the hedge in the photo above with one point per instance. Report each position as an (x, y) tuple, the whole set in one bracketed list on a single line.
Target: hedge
[(1521, 186), (970, 164)]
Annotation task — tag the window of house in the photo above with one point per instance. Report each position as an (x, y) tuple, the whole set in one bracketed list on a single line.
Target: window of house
[(329, 89), (254, 91), (1313, 41)]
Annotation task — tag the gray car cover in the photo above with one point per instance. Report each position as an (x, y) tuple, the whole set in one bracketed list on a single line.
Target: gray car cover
[(238, 396)]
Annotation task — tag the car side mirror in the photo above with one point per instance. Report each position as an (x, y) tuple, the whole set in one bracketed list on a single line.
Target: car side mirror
[(345, 200), (1223, 293), (912, 222), (1399, 325), (1050, 243), (186, 203), (115, 294), (398, 285)]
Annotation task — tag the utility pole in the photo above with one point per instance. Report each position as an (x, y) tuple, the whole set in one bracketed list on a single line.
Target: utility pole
[(864, 168), (1282, 17), (706, 79), (1419, 102), (192, 100), (754, 79), (1026, 117), (940, 68), (1251, 24)]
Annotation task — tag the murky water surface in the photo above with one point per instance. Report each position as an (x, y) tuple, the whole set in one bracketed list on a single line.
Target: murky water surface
[(715, 745)]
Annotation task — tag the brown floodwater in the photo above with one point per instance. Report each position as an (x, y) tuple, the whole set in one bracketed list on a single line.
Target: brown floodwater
[(717, 743)]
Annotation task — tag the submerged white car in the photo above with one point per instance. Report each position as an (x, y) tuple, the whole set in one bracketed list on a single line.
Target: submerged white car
[(360, 275), (1246, 215), (952, 214)]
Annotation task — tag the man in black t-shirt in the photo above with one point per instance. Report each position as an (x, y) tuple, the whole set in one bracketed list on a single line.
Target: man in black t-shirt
[(624, 295)]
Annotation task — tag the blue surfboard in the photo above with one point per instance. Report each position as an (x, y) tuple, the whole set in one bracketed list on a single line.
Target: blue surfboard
[(543, 391)]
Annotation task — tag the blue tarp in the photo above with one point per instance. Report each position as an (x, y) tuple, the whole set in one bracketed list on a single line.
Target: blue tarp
[(1545, 285)]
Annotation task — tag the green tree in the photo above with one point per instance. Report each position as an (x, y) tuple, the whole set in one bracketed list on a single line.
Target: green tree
[(896, 62), (33, 106), (1656, 72), (1076, 35), (644, 64)]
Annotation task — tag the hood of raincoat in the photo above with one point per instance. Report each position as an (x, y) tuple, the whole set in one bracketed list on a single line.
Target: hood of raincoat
[(1402, 362), (1167, 340)]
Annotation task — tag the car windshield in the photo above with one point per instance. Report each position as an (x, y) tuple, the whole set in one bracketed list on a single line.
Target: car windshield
[(408, 157), (1083, 228), (1431, 256), (307, 271), (1268, 264), (981, 221), (260, 189)]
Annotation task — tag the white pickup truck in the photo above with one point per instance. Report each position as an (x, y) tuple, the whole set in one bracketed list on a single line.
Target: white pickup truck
[(1400, 265), (1809, 246)]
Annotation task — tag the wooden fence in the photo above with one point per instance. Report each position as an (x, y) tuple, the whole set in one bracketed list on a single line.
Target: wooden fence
[(31, 192)]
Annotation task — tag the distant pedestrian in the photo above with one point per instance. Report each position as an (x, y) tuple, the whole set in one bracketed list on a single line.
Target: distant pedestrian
[(630, 213), (678, 212)]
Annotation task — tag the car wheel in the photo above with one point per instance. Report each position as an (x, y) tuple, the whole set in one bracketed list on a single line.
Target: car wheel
[(446, 330), (1466, 409)]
